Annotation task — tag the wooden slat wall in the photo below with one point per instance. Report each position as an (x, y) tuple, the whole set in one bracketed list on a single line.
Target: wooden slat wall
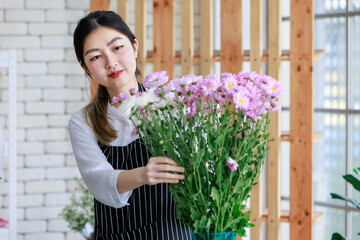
[(123, 9), (164, 36), (140, 33), (187, 36), (94, 6), (99, 5), (301, 118), (206, 40), (256, 65), (231, 53), (273, 156)]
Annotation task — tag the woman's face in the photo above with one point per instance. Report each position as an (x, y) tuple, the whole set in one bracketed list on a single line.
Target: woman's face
[(111, 60)]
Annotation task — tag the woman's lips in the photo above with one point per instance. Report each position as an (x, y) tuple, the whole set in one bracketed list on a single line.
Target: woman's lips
[(115, 74)]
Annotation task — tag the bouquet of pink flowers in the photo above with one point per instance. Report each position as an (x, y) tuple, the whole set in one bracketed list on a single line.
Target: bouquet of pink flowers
[(3, 223), (217, 129)]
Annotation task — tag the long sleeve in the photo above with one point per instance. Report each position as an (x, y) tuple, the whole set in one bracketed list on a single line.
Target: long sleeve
[(99, 176)]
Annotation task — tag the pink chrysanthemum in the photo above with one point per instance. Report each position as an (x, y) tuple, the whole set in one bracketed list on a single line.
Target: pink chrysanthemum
[(156, 79), (134, 132), (241, 100), (120, 98), (233, 165)]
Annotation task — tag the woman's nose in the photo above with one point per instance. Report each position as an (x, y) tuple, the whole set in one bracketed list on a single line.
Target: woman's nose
[(110, 62)]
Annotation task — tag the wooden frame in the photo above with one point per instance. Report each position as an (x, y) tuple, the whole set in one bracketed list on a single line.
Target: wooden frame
[(256, 65), (231, 53), (206, 40), (301, 118), (231, 56), (274, 171), (164, 36), (140, 33)]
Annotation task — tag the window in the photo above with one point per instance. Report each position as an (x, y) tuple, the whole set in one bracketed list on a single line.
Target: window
[(337, 113)]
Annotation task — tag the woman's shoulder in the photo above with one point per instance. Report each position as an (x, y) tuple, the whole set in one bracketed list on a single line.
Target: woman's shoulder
[(77, 120), (77, 116)]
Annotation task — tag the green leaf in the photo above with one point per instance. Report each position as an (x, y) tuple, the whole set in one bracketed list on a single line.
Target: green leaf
[(203, 223), (195, 214), (353, 180), (241, 232), (338, 196), (215, 195), (357, 171), (238, 187), (337, 236)]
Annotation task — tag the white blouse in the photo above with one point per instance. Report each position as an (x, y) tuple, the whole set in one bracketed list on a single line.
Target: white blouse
[(98, 174)]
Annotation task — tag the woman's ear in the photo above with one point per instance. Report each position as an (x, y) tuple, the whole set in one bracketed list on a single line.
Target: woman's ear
[(136, 47), (85, 68)]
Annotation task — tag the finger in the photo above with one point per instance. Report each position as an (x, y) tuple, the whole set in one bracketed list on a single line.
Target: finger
[(165, 160), (168, 168), (162, 180), (168, 181)]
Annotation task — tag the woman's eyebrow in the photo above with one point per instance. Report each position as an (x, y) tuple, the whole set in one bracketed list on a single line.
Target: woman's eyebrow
[(113, 40), (108, 44)]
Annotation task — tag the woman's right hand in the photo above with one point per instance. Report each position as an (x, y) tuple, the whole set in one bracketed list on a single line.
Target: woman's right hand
[(162, 170)]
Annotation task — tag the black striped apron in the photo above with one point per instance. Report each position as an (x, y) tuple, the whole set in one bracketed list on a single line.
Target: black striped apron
[(151, 210)]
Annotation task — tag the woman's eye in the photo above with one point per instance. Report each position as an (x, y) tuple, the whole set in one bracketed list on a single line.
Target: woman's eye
[(118, 47), (94, 58)]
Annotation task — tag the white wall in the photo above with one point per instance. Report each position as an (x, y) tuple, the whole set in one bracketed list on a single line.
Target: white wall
[(51, 86)]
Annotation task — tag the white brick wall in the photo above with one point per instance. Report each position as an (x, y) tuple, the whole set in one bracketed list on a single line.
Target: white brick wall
[(45, 4), (32, 226), (45, 186), (43, 81), (45, 160), (45, 236), (64, 16), (25, 15), (13, 28), (16, 42), (51, 87), (57, 42), (79, 4), (1, 15), (48, 28), (39, 55), (11, 4)]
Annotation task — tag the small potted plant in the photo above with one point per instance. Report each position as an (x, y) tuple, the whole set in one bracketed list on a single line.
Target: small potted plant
[(80, 214)]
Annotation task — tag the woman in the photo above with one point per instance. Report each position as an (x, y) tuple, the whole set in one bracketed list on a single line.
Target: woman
[(130, 188)]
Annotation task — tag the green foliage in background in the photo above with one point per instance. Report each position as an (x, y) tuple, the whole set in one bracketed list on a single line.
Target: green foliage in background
[(81, 210), (355, 182)]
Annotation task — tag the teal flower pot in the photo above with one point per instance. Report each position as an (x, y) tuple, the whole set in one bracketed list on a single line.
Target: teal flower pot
[(215, 236)]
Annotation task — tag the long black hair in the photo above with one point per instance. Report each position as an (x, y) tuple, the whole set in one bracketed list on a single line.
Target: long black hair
[(95, 113)]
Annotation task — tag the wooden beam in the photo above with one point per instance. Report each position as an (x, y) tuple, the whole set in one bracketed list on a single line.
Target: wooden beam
[(123, 9), (140, 33), (256, 65), (273, 156), (231, 36), (301, 118), (285, 56), (96, 5), (99, 5), (187, 36), (206, 40), (164, 36)]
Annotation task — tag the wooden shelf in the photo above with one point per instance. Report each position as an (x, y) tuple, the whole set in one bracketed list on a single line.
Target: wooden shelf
[(285, 56), (285, 136), (285, 216)]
